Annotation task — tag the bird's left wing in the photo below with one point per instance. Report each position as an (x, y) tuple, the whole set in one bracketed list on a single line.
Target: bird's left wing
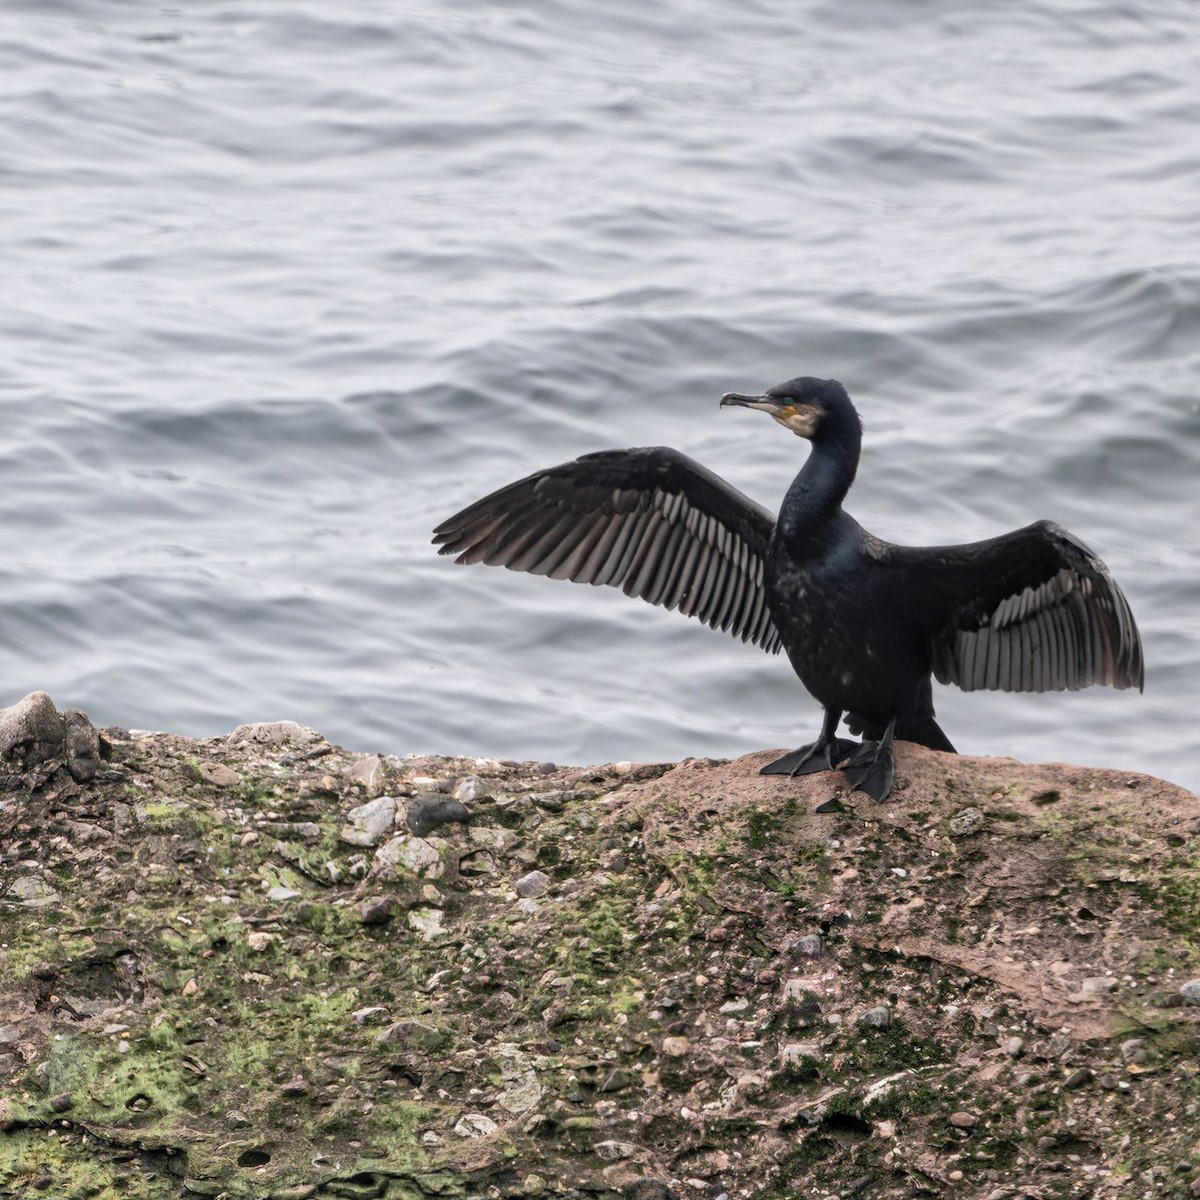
[(1030, 611), (650, 521)]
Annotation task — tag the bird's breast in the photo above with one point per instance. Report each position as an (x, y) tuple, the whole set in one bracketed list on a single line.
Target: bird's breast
[(843, 635)]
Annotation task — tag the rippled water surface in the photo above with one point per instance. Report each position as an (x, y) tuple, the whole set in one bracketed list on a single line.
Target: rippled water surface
[(286, 284)]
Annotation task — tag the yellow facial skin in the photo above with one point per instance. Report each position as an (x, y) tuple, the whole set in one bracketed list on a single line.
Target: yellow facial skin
[(799, 418)]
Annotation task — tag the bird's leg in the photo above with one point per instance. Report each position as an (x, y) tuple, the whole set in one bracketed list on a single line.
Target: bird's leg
[(872, 768), (822, 755)]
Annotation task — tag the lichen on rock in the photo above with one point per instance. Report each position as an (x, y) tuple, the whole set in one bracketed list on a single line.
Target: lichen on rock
[(645, 981)]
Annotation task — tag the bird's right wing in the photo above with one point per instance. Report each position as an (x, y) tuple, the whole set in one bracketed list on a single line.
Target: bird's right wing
[(650, 521)]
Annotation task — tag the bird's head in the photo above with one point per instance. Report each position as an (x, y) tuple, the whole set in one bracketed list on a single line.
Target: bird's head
[(812, 408)]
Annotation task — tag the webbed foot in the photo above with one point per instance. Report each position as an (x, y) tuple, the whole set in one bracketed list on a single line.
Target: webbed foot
[(821, 755), (872, 767), (872, 770)]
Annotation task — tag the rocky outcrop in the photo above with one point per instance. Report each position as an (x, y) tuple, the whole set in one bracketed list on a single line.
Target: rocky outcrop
[(35, 736), (263, 966)]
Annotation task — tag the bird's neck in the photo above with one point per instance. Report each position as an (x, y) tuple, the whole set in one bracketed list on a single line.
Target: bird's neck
[(814, 500)]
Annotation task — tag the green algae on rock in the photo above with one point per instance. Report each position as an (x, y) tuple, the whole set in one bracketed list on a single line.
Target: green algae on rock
[(230, 969)]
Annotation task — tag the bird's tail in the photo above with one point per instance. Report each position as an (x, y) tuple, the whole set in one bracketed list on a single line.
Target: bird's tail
[(924, 730)]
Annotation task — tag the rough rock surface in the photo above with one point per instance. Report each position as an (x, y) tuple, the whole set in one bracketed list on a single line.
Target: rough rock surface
[(36, 739), (206, 990)]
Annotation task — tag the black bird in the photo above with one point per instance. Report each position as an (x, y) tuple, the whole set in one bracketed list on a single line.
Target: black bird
[(864, 622)]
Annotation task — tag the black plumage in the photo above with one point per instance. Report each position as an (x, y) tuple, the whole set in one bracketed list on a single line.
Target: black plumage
[(864, 623)]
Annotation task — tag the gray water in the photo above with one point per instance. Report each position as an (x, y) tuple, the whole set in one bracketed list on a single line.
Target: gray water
[(286, 284)]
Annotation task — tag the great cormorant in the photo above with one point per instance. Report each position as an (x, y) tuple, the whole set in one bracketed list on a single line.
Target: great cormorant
[(864, 623)]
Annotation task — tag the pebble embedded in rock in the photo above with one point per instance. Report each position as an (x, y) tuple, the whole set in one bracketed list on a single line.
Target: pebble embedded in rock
[(374, 1014), (1060, 1045), (611, 1151), (427, 922), (965, 823), (1133, 1051), (368, 823), (879, 1017), (421, 856), (415, 1034), (963, 1120), (218, 774), (377, 910), (367, 770), (650, 1188), (475, 1125), (809, 946), (31, 891), (615, 1081), (796, 1052), (431, 809), (530, 886), (470, 788), (1190, 991)]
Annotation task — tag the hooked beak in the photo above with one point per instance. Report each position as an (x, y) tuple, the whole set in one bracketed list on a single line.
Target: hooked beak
[(801, 419), (763, 403)]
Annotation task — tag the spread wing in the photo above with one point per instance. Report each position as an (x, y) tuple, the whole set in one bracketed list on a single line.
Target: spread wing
[(650, 521), (1031, 611)]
